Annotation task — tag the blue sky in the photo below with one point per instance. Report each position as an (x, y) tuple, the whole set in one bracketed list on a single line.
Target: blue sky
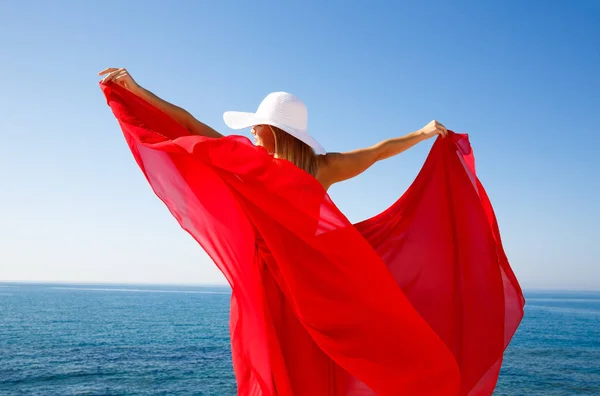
[(522, 78)]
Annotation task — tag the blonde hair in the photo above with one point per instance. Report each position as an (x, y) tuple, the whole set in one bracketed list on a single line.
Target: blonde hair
[(297, 152)]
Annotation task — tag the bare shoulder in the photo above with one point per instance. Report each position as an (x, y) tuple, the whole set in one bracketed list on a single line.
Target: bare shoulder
[(337, 167), (327, 160), (327, 169)]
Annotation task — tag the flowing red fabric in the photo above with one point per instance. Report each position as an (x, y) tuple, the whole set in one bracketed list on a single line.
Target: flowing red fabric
[(418, 300)]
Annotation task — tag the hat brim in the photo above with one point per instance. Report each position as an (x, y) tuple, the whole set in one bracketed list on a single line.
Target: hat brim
[(242, 120)]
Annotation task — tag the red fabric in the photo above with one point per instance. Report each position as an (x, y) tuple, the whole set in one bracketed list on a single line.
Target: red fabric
[(418, 300)]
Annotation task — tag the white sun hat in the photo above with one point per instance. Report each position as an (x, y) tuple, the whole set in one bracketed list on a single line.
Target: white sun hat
[(279, 109)]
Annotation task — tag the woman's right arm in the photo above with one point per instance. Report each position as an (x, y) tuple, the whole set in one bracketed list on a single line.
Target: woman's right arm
[(343, 166), (183, 117)]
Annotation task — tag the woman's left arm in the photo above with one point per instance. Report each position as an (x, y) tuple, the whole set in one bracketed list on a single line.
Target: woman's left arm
[(343, 166)]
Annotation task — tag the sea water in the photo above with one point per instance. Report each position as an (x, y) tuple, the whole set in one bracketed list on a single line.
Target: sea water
[(64, 339)]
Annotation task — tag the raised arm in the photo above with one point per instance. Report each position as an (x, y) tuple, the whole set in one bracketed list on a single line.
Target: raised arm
[(342, 166), (124, 79)]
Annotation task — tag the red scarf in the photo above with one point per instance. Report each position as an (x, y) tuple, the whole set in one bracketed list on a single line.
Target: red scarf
[(418, 300)]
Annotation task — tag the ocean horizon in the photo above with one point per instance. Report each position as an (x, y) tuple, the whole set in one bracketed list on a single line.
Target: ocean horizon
[(62, 338)]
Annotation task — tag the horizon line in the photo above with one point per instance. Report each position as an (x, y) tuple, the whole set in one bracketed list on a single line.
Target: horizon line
[(141, 283)]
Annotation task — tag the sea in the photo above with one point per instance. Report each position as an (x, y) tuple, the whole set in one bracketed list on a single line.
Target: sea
[(67, 339)]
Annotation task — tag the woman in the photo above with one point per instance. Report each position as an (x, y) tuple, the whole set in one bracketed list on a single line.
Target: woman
[(327, 168), (418, 300)]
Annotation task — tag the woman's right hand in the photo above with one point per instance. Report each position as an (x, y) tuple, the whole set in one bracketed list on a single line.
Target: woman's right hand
[(120, 77), (432, 129)]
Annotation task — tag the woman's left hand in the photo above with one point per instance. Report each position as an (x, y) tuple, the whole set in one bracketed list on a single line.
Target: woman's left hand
[(121, 77), (432, 129)]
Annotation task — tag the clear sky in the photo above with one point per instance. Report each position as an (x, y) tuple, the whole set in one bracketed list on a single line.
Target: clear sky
[(521, 77)]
